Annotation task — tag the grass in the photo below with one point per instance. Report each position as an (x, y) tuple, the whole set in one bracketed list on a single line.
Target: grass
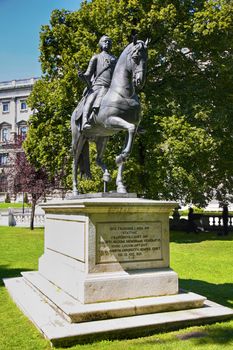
[(203, 261), (13, 205)]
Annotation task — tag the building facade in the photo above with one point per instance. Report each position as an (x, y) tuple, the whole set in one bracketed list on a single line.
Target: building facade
[(14, 115)]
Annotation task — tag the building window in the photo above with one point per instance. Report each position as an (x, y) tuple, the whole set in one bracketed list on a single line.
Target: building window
[(23, 131), (3, 182), (5, 135), (3, 159), (23, 105), (5, 107)]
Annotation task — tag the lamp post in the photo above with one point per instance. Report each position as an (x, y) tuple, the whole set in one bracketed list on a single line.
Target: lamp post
[(23, 203), (106, 179)]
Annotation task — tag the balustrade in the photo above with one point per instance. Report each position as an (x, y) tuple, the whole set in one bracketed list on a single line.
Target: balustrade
[(206, 222), (214, 222), (23, 219)]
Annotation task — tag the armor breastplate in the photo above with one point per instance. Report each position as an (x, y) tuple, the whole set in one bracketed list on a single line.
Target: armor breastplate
[(104, 70)]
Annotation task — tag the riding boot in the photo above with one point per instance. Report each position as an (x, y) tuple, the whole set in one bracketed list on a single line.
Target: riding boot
[(88, 123), (87, 126), (85, 123)]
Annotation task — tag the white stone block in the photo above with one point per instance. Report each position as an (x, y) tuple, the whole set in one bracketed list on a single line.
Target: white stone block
[(103, 249), (66, 237)]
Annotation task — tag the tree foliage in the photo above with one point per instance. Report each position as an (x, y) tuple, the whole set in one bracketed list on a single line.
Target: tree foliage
[(23, 177), (186, 152)]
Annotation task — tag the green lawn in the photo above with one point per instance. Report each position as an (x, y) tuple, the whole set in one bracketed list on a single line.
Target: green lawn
[(203, 261), (5, 206)]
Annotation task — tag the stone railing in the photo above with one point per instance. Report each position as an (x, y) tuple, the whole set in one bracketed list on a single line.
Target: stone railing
[(214, 222), (17, 83), (204, 222), (16, 218), (24, 220)]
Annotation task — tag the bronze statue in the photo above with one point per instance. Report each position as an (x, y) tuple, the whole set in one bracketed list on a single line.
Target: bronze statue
[(98, 77), (119, 110)]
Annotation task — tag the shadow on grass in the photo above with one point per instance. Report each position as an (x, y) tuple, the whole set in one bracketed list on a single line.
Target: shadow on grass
[(219, 293), (6, 272), (184, 237), (218, 334)]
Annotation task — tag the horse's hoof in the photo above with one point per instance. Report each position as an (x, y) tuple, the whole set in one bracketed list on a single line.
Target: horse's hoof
[(121, 158), (121, 189)]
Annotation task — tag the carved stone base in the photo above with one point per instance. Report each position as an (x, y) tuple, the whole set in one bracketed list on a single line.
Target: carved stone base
[(105, 249)]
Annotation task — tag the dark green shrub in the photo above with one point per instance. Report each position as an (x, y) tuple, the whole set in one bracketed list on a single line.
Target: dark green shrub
[(7, 199)]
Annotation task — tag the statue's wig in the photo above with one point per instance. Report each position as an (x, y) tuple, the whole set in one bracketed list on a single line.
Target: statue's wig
[(104, 37)]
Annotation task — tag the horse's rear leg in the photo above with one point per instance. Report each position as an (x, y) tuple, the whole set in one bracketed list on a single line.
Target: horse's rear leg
[(77, 147), (100, 148), (119, 180), (75, 176), (75, 138)]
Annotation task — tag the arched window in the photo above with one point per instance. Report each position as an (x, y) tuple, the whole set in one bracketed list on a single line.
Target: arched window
[(5, 134), (23, 131), (5, 107), (23, 105), (4, 159)]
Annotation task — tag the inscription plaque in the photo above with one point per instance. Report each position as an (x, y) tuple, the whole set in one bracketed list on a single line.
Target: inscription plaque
[(128, 242)]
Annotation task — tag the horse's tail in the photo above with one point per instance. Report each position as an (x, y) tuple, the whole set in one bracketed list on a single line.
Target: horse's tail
[(80, 151), (84, 161)]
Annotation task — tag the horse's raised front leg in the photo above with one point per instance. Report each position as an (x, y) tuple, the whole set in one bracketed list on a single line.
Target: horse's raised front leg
[(131, 128), (117, 122)]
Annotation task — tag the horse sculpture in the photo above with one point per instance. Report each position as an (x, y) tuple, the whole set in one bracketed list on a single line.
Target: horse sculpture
[(119, 110)]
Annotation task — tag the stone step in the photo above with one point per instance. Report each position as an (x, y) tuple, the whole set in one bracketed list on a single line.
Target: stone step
[(61, 332), (74, 311)]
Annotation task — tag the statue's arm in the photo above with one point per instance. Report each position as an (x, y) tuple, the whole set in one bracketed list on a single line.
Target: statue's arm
[(91, 69)]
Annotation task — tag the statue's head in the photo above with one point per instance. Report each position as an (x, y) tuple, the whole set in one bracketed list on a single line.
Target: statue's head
[(105, 43)]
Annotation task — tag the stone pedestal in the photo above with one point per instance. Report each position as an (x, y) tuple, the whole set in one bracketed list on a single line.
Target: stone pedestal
[(105, 273), (105, 249)]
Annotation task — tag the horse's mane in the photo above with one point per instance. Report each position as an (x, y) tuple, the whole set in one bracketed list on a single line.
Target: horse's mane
[(133, 47), (130, 49)]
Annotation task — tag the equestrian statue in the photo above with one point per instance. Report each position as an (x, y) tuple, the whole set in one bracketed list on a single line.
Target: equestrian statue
[(109, 105)]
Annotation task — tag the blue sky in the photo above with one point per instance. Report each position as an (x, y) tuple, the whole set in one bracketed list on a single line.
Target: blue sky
[(20, 23)]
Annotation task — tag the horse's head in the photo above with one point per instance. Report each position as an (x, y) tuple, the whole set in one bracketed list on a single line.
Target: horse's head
[(138, 59)]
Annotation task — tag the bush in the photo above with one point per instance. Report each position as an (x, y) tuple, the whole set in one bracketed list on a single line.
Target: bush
[(25, 198), (7, 199)]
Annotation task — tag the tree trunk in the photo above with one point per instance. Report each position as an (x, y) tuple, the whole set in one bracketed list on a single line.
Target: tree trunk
[(33, 214)]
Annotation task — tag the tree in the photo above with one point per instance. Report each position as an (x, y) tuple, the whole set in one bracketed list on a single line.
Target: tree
[(185, 153), (23, 177)]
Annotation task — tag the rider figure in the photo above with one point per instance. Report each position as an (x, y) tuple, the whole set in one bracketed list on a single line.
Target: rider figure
[(98, 77)]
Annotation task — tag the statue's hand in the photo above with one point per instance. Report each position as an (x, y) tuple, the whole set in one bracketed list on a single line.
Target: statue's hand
[(84, 78), (80, 74)]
